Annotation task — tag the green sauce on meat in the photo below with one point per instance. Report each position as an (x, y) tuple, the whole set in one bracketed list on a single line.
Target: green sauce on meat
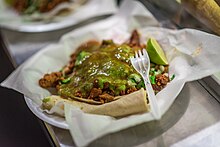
[(97, 73), (100, 66)]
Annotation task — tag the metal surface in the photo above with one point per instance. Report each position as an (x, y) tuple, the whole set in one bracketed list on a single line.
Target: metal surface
[(18, 125), (212, 86)]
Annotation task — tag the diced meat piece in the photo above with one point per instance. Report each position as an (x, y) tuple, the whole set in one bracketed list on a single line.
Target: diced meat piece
[(78, 94), (96, 83), (106, 85), (95, 92), (161, 79), (130, 90), (108, 91), (45, 6), (57, 87), (134, 39), (122, 92), (106, 97), (20, 5), (68, 69), (107, 42), (41, 5), (157, 88), (166, 69), (50, 80), (71, 65), (73, 57), (88, 46)]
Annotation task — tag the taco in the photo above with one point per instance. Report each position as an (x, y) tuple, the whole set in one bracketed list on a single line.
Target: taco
[(44, 9), (31, 6), (100, 79)]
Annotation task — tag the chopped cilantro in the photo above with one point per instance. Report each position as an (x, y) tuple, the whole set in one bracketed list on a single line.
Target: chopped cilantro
[(173, 76), (153, 79)]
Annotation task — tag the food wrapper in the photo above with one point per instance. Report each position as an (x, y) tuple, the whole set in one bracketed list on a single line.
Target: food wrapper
[(191, 54), (78, 11)]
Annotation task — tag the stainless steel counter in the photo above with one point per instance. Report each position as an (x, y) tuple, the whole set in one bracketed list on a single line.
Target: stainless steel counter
[(18, 125), (194, 110)]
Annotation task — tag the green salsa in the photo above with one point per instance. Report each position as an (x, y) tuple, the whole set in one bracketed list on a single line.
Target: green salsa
[(106, 63)]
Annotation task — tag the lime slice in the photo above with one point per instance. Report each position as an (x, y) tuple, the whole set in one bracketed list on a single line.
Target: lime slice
[(156, 53)]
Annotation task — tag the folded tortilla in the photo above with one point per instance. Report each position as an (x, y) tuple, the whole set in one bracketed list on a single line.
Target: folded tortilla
[(133, 103)]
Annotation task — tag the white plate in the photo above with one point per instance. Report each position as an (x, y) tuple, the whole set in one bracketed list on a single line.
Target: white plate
[(51, 119), (9, 19)]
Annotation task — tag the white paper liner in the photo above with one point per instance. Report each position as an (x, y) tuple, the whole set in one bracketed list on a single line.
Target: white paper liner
[(192, 55)]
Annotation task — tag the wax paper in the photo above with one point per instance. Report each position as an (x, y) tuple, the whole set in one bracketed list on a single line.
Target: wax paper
[(191, 54)]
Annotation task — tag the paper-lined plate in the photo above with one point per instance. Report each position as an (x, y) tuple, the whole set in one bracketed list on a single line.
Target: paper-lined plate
[(78, 11), (55, 56)]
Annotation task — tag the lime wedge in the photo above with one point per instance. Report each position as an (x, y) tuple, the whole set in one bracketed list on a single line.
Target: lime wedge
[(156, 53)]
